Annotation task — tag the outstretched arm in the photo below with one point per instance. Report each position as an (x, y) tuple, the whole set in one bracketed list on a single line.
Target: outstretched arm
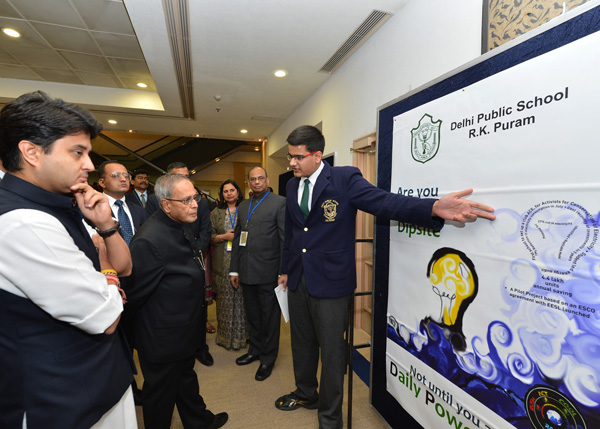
[(454, 207)]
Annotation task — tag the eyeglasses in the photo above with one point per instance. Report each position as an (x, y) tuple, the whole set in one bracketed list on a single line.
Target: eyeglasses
[(188, 200), (256, 179), (300, 157), (118, 174)]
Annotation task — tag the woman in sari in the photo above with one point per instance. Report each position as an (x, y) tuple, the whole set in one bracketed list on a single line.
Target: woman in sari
[(231, 314)]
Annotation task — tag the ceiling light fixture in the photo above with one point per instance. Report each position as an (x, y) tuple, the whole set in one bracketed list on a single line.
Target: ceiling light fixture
[(217, 159), (130, 131), (197, 135), (142, 85), (243, 131), (112, 121), (256, 148), (11, 33), (280, 73)]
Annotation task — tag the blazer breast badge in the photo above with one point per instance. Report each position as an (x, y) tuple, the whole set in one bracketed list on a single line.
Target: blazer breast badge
[(329, 210)]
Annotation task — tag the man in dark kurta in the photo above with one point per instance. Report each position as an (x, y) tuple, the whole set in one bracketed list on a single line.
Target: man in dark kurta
[(165, 292)]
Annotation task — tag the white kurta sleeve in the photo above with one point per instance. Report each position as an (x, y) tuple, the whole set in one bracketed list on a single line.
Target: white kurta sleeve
[(41, 262)]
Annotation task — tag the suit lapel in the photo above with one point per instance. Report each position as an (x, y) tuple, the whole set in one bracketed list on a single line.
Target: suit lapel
[(322, 183), (293, 197)]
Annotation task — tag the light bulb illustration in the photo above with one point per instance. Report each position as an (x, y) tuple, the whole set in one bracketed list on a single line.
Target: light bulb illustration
[(454, 280)]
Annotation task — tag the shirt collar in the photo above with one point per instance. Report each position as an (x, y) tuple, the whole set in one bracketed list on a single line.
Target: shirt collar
[(111, 200), (313, 177)]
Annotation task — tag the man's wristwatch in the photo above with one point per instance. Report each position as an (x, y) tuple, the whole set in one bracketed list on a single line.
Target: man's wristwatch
[(110, 231)]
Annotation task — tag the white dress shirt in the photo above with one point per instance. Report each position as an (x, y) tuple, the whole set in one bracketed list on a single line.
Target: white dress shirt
[(313, 179), (115, 210)]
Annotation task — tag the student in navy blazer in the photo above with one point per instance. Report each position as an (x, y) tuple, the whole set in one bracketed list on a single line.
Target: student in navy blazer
[(318, 262)]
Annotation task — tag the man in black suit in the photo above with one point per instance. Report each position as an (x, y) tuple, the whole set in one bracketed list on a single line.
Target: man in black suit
[(165, 294), (140, 194), (255, 264), (114, 180)]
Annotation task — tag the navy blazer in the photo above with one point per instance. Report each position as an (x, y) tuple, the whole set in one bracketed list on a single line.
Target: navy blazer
[(322, 245)]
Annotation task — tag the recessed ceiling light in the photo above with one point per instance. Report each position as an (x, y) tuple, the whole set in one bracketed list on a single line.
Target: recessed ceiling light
[(243, 131), (142, 85), (112, 121), (197, 135), (256, 148), (130, 131), (217, 159), (10, 32), (280, 73)]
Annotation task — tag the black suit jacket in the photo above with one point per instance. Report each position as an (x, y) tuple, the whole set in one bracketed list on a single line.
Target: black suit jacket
[(202, 228), (165, 291), (151, 205), (138, 214), (259, 261)]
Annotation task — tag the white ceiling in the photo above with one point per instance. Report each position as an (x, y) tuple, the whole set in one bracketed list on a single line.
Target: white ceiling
[(93, 52)]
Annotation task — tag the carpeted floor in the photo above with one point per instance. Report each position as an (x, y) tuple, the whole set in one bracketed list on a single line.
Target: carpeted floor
[(250, 404)]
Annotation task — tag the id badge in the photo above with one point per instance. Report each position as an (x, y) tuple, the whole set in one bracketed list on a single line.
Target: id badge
[(229, 245), (243, 238)]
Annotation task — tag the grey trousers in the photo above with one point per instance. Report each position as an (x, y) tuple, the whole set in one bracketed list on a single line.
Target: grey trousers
[(319, 323)]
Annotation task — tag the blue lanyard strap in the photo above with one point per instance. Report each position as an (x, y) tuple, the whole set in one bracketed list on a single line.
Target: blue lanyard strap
[(250, 206), (234, 218)]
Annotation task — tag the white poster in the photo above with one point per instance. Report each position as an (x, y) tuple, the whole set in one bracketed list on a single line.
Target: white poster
[(497, 324)]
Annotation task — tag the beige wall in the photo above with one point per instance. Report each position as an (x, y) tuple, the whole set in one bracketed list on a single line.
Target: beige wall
[(424, 40)]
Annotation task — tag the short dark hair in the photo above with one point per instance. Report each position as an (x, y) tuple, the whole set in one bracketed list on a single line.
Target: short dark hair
[(40, 119), (309, 136), (102, 166), (176, 164), (138, 172), (222, 204)]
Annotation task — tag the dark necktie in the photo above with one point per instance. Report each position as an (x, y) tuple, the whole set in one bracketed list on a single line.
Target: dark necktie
[(126, 229), (144, 200), (304, 202)]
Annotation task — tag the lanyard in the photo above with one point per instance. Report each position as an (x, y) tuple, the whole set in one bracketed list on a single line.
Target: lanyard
[(250, 206), (234, 218)]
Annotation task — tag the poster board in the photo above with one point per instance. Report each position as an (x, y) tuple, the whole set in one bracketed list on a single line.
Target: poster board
[(495, 324)]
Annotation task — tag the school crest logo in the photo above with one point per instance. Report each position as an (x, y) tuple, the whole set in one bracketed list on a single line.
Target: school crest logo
[(425, 139), (329, 210)]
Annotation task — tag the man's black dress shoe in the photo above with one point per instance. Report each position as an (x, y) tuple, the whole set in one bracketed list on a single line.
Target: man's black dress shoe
[(263, 372), (205, 358), (220, 420), (246, 359)]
